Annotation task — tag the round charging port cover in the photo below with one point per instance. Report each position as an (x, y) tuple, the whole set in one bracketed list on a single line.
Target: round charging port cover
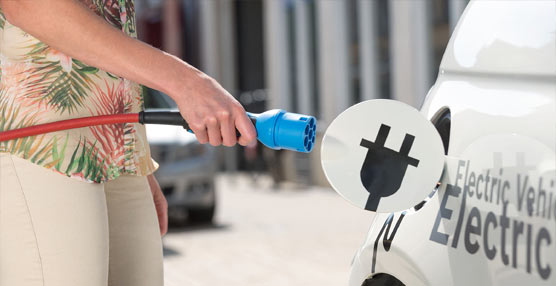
[(396, 181)]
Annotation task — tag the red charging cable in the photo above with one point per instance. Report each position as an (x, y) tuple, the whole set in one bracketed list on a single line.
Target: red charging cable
[(68, 124)]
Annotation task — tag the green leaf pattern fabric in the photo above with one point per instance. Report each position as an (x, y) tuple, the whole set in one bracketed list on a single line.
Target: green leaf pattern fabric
[(39, 84)]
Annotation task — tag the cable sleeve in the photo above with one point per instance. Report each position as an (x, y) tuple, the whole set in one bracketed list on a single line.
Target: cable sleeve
[(163, 117)]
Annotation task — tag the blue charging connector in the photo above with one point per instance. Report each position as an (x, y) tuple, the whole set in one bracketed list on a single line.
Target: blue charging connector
[(278, 129)]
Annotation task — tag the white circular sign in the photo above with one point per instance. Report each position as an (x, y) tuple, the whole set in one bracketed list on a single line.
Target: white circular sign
[(382, 155)]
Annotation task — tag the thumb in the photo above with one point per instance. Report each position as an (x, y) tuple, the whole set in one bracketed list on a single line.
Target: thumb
[(248, 133)]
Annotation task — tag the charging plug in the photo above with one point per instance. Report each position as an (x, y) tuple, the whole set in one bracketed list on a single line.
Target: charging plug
[(384, 169)]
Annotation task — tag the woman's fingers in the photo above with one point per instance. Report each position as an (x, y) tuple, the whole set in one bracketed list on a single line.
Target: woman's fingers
[(245, 128), (213, 128), (160, 203), (227, 129), (221, 130), (200, 132)]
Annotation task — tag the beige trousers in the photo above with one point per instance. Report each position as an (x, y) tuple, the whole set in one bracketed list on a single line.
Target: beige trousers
[(58, 231)]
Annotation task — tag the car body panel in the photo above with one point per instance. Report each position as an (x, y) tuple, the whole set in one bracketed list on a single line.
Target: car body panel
[(187, 168), (504, 37)]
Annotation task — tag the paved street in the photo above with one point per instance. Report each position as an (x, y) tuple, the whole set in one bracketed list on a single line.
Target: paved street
[(268, 237)]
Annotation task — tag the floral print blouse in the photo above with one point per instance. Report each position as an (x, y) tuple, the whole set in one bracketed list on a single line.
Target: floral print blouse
[(39, 85)]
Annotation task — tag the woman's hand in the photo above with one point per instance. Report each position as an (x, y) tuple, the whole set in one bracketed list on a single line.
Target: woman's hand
[(211, 112), (160, 204)]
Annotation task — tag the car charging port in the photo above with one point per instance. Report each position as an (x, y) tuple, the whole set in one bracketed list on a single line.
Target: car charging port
[(443, 121)]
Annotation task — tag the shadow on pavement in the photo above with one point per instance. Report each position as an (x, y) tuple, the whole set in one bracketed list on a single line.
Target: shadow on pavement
[(190, 227), (166, 252), (175, 227)]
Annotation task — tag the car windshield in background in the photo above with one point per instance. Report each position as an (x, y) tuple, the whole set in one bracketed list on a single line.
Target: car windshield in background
[(155, 99)]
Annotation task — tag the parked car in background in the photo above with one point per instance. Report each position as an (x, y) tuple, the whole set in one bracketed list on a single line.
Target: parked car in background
[(492, 219), (187, 168)]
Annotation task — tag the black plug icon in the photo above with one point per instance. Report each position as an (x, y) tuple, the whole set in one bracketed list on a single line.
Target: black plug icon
[(384, 169)]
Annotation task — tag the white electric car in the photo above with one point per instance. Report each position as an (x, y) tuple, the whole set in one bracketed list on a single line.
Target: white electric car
[(492, 218)]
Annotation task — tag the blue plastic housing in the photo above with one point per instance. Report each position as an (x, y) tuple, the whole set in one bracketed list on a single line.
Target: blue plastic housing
[(278, 129)]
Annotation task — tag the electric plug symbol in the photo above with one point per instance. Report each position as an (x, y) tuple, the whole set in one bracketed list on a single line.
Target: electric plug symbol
[(383, 170)]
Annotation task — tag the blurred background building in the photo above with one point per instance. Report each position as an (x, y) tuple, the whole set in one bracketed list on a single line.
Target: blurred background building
[(315, 57)]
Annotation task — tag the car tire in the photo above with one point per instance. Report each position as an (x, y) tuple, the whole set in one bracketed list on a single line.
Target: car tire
[(201, 215), (382, 279)]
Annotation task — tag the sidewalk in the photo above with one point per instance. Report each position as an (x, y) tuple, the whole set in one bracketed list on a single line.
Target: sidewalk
[(268, 237)]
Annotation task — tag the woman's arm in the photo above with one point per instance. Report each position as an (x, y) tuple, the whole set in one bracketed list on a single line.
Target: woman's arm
[(68, 26)]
